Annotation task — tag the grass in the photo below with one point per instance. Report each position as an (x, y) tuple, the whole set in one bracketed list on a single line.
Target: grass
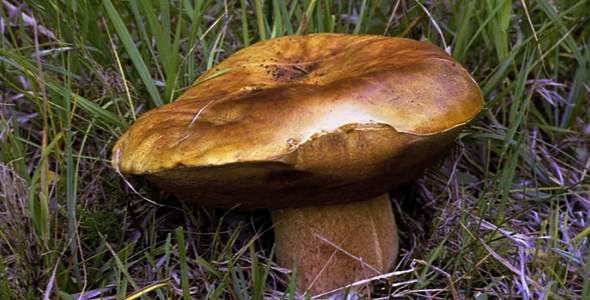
[(505, 216)]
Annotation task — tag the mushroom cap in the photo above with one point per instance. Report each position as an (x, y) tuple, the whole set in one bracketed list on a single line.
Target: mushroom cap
[(304, 120)]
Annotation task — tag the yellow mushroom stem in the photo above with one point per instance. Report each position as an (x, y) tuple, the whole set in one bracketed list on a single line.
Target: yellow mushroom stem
[(336, 245)]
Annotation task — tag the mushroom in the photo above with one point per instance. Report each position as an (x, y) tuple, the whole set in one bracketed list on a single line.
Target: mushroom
[(316, 128)]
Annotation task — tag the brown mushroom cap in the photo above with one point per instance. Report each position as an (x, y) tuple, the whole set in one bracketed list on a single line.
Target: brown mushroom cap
[(304, 120)]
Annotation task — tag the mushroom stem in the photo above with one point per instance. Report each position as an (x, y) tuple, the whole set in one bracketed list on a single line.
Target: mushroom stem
[(332, 246)]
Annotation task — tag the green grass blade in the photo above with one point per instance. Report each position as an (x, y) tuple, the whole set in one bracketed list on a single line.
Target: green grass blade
[(260, 20), (182, 260), (133, 52)]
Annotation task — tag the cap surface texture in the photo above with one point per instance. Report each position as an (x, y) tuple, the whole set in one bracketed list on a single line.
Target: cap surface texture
[(304, 120)]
